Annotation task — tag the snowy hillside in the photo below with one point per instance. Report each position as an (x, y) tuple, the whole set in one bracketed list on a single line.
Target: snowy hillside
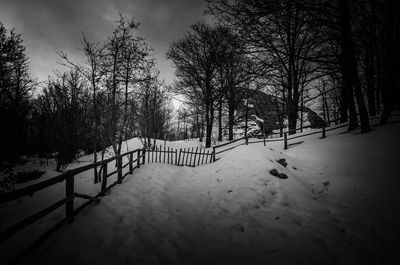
[(338, 205)]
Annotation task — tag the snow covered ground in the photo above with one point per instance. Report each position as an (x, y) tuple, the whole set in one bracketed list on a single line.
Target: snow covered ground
[(339, 205)]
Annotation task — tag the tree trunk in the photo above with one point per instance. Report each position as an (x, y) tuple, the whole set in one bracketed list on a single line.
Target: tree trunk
[(387, 88), (369, 72), (209, 122), (292, 116), (220, 120), (346, 44), (231, 120), (202, 129), (344, 106)]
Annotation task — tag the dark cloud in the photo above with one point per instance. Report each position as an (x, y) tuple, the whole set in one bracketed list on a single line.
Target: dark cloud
[(48, 26)]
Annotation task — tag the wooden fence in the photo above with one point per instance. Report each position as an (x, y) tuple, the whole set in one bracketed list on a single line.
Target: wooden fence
[(70, 195), (183, 157), (285, 138)]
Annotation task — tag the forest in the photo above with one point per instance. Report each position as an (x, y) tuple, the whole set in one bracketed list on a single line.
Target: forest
[(340, 58)]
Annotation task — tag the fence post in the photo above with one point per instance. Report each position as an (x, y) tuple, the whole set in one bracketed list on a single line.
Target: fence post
[(96, 175), (285, 141), (213, 154), (323, 132), (144, 156), (104, 183), (263, 131), (138, 158), (69, 196), (179, 158), (119, 169), (130, 163), (247, 140)]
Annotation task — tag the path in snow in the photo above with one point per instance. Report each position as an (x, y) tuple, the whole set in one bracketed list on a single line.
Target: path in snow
[(338, 206), (230, 212)]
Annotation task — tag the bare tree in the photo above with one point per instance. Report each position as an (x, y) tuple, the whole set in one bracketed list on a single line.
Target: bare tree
[(195, 59)]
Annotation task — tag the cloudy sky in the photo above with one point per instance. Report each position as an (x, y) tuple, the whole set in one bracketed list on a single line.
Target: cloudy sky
[(48, 26)]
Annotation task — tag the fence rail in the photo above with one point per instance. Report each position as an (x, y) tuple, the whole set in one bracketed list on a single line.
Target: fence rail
[(285, 137), (70, 195)]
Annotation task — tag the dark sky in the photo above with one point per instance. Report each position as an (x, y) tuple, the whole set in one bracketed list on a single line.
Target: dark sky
[(48, 26)]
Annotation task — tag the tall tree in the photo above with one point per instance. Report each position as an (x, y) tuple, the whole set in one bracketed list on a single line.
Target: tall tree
[(195, 59), (16, 87), (280, 38)]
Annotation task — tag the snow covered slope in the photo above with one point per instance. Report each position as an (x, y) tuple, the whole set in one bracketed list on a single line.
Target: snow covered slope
[(338, 205)]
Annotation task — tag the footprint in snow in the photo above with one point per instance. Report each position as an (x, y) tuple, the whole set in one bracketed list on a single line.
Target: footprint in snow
[(275, 173), (282, 161)]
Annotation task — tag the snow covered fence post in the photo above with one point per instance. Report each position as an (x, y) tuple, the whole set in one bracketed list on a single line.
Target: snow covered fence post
[(179, 158), (119, 169), (263, 132), (213, 154), (323, 132), (104, 183), (138, 158), (69, 197), (130, 163), (285, 141), (144, 156)]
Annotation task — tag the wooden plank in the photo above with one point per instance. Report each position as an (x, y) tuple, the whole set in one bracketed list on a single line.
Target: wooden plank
[(126, 174), (30, 190), (194, 162), (191, 156), (137, 159), (188, 157), (104, 183), (230, 148), (127, 164), (112, 173), (194, 156), (119, 168), (164, 154), (29, 220), (213, 154), (202, 159), (285, 141), (185, 154), (303, 135), (217, 146), (179, 158), (131, 163)]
